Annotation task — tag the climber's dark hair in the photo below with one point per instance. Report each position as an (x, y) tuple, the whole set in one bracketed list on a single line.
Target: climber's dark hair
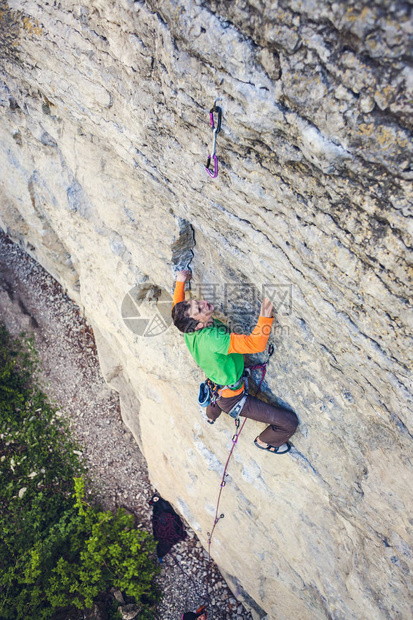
[(182, 321)]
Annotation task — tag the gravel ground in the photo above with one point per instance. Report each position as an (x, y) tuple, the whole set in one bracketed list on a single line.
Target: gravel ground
[(31, 300)]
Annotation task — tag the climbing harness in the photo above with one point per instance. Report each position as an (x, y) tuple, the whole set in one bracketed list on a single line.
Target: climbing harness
[(210, 392), (236, 411), (235, 437), (216, 128)]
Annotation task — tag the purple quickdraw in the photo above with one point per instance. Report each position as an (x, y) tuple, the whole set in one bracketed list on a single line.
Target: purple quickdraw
[(216, 129)]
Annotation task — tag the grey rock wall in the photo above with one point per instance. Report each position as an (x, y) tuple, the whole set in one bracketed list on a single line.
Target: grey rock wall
[(104, 136)]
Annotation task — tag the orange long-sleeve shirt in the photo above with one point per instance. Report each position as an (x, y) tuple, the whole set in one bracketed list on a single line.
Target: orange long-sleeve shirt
[(239, 343), (179, 293)]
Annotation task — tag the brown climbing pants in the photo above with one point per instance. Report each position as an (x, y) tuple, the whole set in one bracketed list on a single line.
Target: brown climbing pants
[(283, 423)]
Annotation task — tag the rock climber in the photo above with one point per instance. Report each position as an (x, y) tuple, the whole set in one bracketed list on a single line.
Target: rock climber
[(219, 354)]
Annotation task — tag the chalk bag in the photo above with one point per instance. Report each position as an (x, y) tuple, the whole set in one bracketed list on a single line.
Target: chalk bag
[(204, 395)]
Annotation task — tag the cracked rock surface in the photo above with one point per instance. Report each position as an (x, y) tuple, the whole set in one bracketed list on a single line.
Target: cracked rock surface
[(105, 132)]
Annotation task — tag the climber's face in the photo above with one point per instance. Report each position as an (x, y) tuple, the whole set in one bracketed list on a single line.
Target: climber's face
[(201, 311)]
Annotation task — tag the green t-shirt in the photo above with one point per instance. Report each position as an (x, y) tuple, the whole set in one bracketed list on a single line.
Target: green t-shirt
[(209, 348)]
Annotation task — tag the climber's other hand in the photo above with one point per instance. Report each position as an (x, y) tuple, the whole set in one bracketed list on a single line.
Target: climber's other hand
[(267, 309)]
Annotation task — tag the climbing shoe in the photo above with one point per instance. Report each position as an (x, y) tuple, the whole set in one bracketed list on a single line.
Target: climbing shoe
[(283, 449)]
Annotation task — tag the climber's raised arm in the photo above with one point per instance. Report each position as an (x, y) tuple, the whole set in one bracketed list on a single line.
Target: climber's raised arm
[(179, 293), (257, 340), (192, 315)]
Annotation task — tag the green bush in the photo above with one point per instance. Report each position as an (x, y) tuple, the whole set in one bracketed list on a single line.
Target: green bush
[(56, 550)]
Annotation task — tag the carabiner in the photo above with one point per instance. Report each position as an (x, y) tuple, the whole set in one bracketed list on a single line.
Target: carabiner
[(213, 174), (215, 129), (218, 110)]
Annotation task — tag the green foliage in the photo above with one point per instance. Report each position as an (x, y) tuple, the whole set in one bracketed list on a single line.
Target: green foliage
[(55, 549)]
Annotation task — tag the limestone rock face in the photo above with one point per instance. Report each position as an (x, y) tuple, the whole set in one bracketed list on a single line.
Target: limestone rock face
[(104, 135)]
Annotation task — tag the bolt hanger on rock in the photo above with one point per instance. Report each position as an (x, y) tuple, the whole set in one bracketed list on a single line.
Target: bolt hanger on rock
[(216, 128)]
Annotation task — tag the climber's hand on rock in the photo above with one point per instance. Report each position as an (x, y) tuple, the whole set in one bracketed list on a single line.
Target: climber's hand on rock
[(184, 275), (267, 309)]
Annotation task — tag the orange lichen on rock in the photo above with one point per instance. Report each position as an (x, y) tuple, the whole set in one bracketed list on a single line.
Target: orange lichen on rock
[(33, 27)]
